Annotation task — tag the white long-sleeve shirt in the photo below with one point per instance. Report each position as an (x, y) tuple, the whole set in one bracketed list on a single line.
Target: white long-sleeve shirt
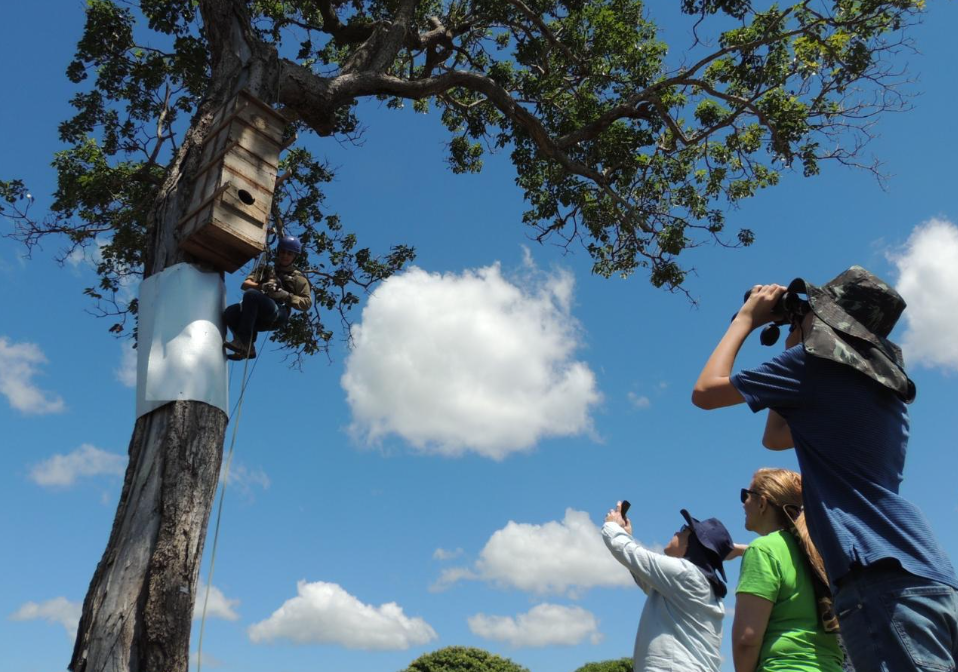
[(681, 625)]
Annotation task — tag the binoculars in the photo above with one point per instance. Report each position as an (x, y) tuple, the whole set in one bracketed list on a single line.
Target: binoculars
[(789, 309)]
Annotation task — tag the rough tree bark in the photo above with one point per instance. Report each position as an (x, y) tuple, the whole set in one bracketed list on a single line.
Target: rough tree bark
[(137, 612)]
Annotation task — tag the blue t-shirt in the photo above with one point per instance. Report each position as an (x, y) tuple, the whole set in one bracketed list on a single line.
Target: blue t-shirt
[(851, 435)]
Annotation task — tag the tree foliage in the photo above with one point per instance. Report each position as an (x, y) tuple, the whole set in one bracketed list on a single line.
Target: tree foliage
[(463, 659), (617, 665), (631, 147)]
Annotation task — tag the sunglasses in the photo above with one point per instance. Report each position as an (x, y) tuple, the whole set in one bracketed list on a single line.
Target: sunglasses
[(746, 492)]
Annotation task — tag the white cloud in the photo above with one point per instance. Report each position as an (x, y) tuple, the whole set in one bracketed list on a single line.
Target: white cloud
[(19, 363), (639, 401), (126, 372), (87, 460), (471, 362), (243, 478), (58, 610), (208, 660), (543, 625), (443, 554), (928, 281), (556, 557), (324, 613), (87, 255), (452, 575), (218, 606)]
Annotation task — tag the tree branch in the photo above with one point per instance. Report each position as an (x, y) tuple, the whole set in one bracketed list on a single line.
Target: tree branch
[(544, 29), (350, 33), (637, 107), (780, 145), (394, 37), (349, 87)]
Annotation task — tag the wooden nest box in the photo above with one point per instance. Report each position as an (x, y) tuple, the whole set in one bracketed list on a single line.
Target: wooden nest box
[(229, 211)]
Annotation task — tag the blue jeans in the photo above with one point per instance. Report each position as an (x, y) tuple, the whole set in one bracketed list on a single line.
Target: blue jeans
[(893, 621), (256, 313)]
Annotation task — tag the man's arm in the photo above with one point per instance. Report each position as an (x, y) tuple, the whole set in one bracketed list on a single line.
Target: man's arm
[(650, 570), (713, 389), (301, 296), (258, 277), (738, 550), (777, 435)]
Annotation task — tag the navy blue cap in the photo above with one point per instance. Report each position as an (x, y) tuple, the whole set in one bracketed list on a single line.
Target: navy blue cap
[(714, 537)]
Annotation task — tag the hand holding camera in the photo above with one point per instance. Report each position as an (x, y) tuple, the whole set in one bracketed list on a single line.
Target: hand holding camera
[(617, 515)]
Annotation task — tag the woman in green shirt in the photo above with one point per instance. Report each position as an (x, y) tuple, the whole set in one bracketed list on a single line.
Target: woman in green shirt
[(783, 618)]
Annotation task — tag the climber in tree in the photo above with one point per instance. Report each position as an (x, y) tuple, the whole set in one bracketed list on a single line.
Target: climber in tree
[(270, 293)]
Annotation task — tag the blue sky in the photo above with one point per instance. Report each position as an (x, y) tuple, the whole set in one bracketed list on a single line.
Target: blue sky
[(361, 490)]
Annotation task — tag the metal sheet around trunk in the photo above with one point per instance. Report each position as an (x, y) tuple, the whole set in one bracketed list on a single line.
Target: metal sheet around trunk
[(180, 347)]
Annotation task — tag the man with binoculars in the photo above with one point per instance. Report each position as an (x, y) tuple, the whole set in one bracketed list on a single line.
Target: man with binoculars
[(838, 395)]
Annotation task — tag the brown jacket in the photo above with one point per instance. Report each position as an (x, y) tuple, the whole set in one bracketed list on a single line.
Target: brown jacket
[(292, 280)]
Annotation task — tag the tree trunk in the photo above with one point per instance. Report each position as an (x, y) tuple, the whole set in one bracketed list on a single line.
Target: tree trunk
[(138, 611)]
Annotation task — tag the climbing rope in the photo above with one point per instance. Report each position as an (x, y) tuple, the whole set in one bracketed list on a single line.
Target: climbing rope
[(234, 418), (258, 267)]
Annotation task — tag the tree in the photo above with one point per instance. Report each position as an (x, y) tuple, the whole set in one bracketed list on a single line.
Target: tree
[(617, 665), (463, 659), (615, 148)]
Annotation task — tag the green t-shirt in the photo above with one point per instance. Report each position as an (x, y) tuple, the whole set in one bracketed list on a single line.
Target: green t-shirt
[(774, 568)]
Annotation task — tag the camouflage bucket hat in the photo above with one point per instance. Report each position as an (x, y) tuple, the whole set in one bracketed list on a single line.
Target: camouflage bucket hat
[(853, 316)]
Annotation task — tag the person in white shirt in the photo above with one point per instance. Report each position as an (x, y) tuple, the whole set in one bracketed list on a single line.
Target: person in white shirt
[(681, 624)]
